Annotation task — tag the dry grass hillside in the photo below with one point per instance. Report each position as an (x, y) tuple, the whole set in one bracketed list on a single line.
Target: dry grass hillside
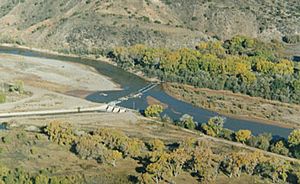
[(89, 24)]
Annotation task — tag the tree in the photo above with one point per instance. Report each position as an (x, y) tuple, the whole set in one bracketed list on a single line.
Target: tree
[(227, 134), (117, 140), (204, 164), (261, 141), (60, 132), (279, 148), (243, 135), (274, 169), (156, 145), (294, 138), (153, 110), (92, 147), (294, 141), (41, 179), (237, 162), (187, 121), (214, 126)]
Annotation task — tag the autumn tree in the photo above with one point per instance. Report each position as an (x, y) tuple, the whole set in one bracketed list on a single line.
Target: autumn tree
[(60, 132), (91, 147), (243, 135), (235, 163), (204, 164), (117, 140), (156, 145), (153, 110), (165, 165), (240, 64)]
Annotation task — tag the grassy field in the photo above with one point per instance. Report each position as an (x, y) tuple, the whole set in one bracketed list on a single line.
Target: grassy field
[(238, 105)]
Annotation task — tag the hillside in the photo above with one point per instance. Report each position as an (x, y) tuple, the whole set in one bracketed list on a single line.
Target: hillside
[(83, 25)]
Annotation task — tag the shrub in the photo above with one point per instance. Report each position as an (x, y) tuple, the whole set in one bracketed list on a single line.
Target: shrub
[(2, 97)]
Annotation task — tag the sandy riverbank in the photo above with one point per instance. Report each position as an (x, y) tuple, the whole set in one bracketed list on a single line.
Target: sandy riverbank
[(50, 82)]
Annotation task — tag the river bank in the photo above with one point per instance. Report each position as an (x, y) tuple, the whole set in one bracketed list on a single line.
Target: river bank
[(125, 80), (90, 57), (51, 83), (238, 106)]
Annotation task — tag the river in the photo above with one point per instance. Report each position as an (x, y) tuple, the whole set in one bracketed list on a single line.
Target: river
[(131, 83)]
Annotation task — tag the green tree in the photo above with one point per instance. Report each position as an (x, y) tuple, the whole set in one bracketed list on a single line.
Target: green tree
[(294, 138), (214, 126), (187, 121), (261, 141), (279, 148), (294, 142)]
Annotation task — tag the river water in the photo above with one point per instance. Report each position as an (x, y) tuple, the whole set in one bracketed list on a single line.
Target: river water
[(132, 83)]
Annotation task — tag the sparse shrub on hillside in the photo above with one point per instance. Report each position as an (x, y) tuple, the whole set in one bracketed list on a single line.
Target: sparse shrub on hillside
[(18, 87), (291, 39), (2, 97)]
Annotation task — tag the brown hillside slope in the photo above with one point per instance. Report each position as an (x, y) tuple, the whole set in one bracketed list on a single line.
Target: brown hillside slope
[(88, 24)]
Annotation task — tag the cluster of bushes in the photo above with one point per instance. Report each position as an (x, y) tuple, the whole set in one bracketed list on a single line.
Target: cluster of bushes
[(240, 65), (265, 141), (214, 127), (291, 39), (11, 40), (164, 162), (17, 87), (102, 145), (19, 175)]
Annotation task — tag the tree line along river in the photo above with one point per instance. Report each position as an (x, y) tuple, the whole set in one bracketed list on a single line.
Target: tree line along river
[(131, 83)]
